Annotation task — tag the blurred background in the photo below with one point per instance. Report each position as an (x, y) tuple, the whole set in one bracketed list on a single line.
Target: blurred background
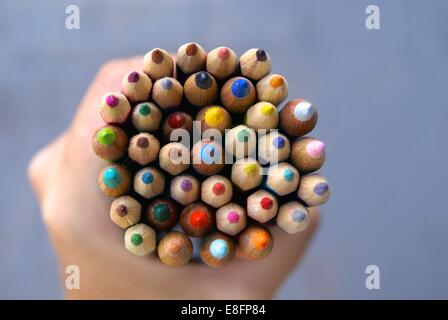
[(382, 96)]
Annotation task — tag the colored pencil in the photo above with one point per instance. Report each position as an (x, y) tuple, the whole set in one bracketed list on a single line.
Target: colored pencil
[(231, 219), (110, 142), (216, 191), (143, 148), (167, 93), (174, 158), (273, 147), (207, 157), (308, 154), (255, 242), (191, 58), (200, 89), (298, 117), (222, 62), (185, 189), (293, 217), (175, 249), (214, 117), (238, 94), (255, 64), (262, 115), (158, 63), (114, 180), (197, 219), (125, 211), (162, 214), (140, 239), (262, 206), (217, 250), (282, 178), (114, 108), (246, 174), (149, 182), (146, 117), (136, 86), (241, 141), (314, 190), (173, 124), (272, 88)]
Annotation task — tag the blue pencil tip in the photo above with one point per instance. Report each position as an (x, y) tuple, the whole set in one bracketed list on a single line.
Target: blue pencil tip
[(240, 88)]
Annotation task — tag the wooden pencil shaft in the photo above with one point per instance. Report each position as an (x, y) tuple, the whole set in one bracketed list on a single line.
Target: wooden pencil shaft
[(136, 86), (125, 211), (185, 189), (246, 174), (143, 148), (200, 89), (146, 117), (158, 63), (298, 117), (140, 239), (222, 62), (114, 180), (293, 217), (214, 117), (255, 63), (273, 147), (174, 158), (272, 88), (190, 58), (314, 190), (217, 250), (238, 94), (255, 242), (167, 93), (262, 115), (114, 108), (241, 142), (308, 154), (216, 191), (231, 219), (149, 182), (282, 179), (110, 142), (262, 206), (197, 219), (162, 214), (175, 249)]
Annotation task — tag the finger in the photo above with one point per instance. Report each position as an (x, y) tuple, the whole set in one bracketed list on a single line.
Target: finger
[(42, 165)]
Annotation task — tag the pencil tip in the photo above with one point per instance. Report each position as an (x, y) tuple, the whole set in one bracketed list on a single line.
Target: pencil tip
[(261, 55), (203, 80), (133, 77), (191, 49), (276, 81), (223, 53), (142, 142), (157, 56)]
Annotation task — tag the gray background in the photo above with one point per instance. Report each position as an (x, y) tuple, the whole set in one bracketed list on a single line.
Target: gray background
[(382, 97)]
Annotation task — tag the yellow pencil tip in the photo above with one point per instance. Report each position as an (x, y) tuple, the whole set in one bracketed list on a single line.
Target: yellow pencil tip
[(250, 168), (267, 109), (214, 117)]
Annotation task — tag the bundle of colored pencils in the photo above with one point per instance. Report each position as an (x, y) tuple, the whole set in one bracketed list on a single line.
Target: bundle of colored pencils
[(199, 147)]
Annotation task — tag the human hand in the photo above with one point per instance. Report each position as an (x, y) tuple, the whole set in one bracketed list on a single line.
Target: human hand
[(64, 176)]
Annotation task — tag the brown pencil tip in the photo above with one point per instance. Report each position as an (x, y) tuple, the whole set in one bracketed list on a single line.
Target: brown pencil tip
[(157, 56), (191, 49), (142, 142), (261, 55)]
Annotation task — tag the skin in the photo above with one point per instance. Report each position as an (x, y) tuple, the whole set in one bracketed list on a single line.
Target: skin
[(76, 214)]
